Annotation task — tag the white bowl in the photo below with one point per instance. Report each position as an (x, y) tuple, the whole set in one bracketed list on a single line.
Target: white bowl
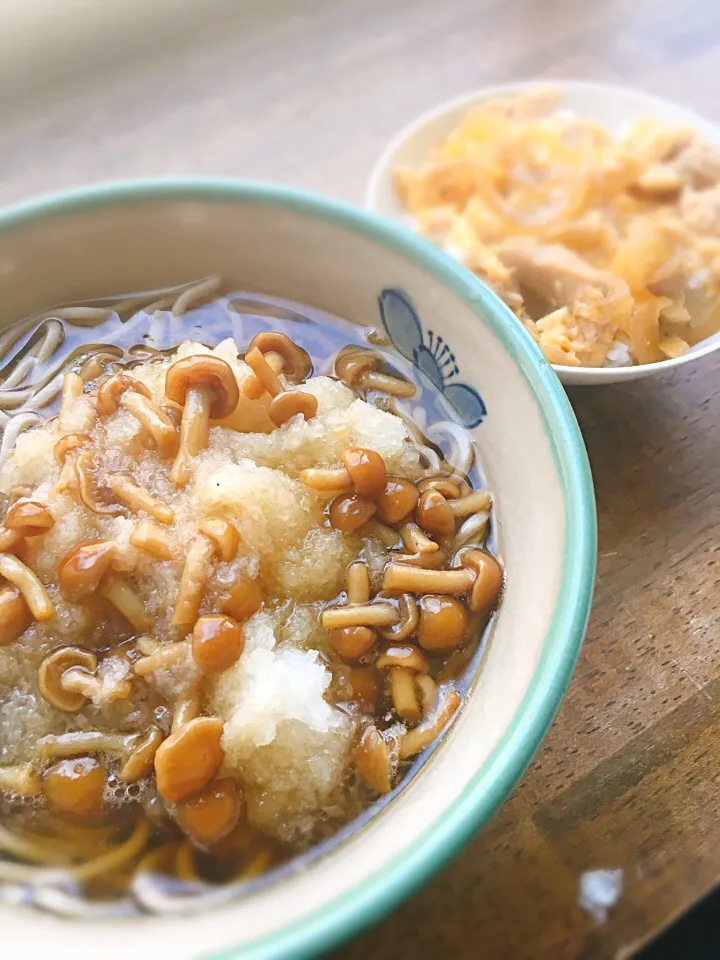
[(127, 237), (609, 105)]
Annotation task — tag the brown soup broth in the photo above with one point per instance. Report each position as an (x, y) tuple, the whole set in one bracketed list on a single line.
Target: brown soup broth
[(178, 876)]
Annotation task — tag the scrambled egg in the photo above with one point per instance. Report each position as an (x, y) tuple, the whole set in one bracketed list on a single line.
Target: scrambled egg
[(606, 248)]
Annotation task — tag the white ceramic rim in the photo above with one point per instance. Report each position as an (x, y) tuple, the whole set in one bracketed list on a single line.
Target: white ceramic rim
[(382, 167), (325, 927)]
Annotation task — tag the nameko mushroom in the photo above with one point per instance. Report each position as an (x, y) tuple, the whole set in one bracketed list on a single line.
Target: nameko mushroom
[(358, 367), (26, 518), (207, 593), (15, 616), (65, 451), (67, 677), (268, 354), (121, 390), (216, 537), (87, 569), (30, 586), (206, 388)]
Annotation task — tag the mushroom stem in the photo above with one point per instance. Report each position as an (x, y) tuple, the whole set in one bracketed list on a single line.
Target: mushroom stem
[(9, 539), (154, 421), (192, 582), (188, 708), (78, 742), (416, 541), (33, 591), (427, 688), (196, 294), (472, 503), (372, 761), (379, 531), (140, 761), (78, 680), (472, 531), (265, 367), (67, 481), (359, 615), (404, 697), (409, 579), (194, 433), (358, 583), (372, 380), (154, 540), (164, 657), (423, 735), (326, 480), (122, 596), (138, 498), (409, 622), (20, 779), (429, 561), (449, 489)]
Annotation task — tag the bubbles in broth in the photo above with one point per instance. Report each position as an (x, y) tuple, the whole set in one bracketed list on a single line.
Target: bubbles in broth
[(247, 562)]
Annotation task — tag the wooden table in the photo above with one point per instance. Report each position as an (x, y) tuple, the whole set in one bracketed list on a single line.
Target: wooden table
[(308, 93)]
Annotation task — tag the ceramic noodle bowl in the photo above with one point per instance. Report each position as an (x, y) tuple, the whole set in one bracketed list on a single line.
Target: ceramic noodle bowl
[(450, 336)]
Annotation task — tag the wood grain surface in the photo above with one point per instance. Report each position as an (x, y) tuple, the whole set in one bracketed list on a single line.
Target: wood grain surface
[(309, 93)]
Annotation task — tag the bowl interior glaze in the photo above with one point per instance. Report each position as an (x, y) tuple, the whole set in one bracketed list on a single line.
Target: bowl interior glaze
[(127, 237)]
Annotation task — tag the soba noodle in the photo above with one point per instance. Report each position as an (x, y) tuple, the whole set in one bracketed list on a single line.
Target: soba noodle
[(52, 863)]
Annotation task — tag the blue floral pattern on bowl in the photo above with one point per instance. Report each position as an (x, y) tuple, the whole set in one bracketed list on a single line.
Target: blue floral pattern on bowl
[(429, 353)]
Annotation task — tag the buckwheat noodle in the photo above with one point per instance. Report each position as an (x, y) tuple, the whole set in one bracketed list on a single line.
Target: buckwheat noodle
[(48, 869)]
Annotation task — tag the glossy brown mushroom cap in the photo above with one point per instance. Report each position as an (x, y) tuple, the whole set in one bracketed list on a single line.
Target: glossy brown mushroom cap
[(204, 373), (111, 390), (298, 365)]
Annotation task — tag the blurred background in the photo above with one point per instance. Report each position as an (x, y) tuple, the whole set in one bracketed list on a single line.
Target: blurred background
[(302, 91)]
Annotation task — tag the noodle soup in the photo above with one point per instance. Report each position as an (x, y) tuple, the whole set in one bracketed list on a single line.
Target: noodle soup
[(247, 564)]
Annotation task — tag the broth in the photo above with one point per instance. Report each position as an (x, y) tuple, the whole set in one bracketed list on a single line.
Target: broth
[(79, 834)]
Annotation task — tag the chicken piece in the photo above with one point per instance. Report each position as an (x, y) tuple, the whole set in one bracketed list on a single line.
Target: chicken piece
[(670, 280), (701, 210), (555, 274), (596, 302), (698, 164), (656, 141)]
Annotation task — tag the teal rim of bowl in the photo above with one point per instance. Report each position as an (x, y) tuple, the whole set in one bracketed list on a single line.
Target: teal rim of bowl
[(375, 897)]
